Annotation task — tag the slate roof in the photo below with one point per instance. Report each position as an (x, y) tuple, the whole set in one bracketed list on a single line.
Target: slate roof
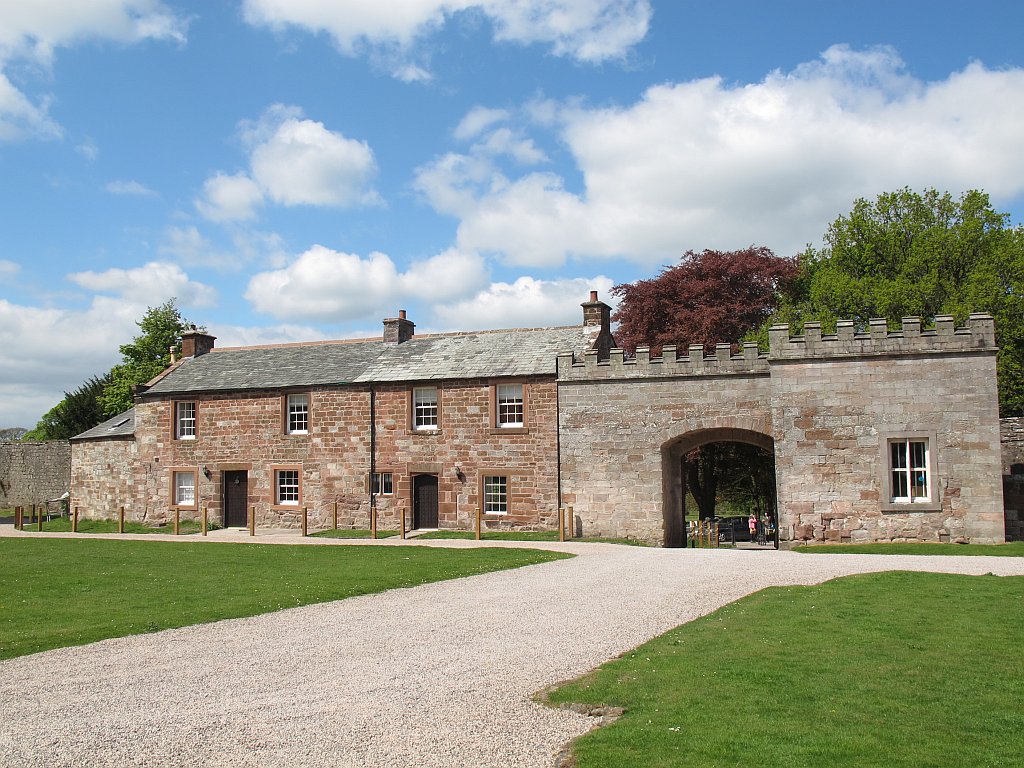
[(518, 352), (122, 425)]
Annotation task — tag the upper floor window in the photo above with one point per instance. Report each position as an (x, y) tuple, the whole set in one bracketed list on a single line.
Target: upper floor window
[(909, 471), (298, 414), (185, 420), (424, 408), (509, 405)]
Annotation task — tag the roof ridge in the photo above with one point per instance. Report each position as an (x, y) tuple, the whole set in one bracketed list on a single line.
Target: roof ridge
[(366, 340)]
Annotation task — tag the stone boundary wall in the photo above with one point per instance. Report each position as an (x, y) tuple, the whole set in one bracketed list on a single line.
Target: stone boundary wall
[(31, 473)]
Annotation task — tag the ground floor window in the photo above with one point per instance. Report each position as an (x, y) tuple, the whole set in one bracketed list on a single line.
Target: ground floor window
[(184, 489), (496, 494), (383, 484), (286, 482), (909, 470)]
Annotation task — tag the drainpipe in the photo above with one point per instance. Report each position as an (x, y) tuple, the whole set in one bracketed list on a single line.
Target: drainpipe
[(373, 446)]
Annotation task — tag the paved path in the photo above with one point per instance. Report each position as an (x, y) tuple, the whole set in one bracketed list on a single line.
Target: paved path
[(436, 675)]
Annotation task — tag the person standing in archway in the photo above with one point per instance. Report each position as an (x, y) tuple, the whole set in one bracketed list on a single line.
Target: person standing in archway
[(752, 524)]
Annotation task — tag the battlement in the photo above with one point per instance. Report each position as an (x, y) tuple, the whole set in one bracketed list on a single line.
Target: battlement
[(695, 363), (978, 334)]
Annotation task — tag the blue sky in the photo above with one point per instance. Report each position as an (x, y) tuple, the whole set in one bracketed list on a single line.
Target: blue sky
[(300, 169)]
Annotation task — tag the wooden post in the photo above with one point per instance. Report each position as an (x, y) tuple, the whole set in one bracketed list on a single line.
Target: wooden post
[(479, 522), (39, 516), (74, 520), (336, 515), (206, 514), (252, 521), (561, 523), (572, 522), (177, 520), (18, 523), (373, 521), (120, 521), (401, 530), (305, 521)]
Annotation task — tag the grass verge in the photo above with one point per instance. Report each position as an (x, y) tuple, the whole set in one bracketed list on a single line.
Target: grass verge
[(352, 533), (1011, 549), (525, 536), (63, 525), (892, 669), (61, 592)]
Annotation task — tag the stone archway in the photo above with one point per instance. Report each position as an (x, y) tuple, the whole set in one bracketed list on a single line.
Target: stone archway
[(673, 485)]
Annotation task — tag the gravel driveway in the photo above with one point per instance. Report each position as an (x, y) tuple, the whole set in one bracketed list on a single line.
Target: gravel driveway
[(436, 675)]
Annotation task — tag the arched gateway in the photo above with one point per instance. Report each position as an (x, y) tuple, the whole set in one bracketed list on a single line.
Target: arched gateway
[(673, 462), (877, 435)]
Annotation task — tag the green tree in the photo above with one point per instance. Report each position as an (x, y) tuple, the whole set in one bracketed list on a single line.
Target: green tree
[(78, 411), (144, 356), (926, 254)]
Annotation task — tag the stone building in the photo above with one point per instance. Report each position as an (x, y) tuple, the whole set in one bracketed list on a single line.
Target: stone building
[(876, 435)]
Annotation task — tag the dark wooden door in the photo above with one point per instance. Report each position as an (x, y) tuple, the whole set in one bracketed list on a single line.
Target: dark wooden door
[(424, 505), (236, 499)]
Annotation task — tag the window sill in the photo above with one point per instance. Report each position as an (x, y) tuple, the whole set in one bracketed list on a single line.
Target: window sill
[(423, 432), (296, 434), (286, 507), (184, 508), (911, 506)]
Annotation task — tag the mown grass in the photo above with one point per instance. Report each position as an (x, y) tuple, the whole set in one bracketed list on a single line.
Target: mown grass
[(1011, 549), (891, 669), (61, 592), (63, 525), (352, 533), (525, 536)]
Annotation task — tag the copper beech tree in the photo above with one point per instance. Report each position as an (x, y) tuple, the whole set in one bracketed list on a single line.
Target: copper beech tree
[(710, 297)]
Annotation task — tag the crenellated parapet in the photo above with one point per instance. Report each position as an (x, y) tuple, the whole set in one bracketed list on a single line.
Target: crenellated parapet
[(696, 362), (977, 335)]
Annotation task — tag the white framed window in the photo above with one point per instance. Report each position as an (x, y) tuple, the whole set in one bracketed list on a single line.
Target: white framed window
[(509, 405), (298, 414), (383, 484), (424, 408), (495, 493), (286, 487), (185, 489), (185, 420), (909, 471)]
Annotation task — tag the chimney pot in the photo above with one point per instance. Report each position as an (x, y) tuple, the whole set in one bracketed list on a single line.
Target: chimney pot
[(401, 314), (593, 295)]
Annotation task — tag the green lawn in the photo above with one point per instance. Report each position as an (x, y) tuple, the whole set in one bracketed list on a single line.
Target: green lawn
[(524, 536), (1013, 549), (63, 525), (352, 533), (891, 669), (61, 592)]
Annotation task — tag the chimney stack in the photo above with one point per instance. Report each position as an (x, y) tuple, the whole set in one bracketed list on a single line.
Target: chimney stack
[(195, 343), (597, 320), (398, 329)]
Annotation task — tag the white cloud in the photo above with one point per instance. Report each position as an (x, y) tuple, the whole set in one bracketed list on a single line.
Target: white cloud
[(293, 161), (132, 188), (303, 163), (20, 118), (477, 120), (709, 164), (585, 30), (32, 31), (88, 150), (9, 268), (45, 352), (229, 198), (149, 285), (326, 285), (526, 303)]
